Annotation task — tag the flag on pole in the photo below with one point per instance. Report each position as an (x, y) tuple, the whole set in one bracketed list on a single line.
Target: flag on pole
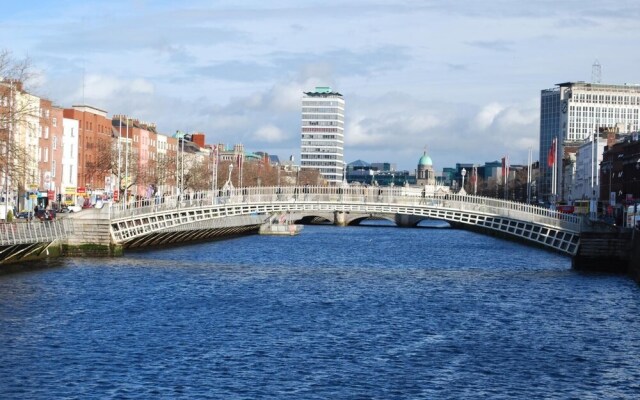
[(551, 157), (474, 175), (505, 168)]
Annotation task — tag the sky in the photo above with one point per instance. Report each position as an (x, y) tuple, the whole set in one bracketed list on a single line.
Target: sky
[(461, 79)]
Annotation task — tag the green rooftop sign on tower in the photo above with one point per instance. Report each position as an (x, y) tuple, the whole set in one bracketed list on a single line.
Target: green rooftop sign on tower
[(323, 89)]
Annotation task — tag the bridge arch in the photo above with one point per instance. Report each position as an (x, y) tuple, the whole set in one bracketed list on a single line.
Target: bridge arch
[(526, 222)]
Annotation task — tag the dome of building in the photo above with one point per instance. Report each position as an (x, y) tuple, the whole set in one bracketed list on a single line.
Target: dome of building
[(425, 160)]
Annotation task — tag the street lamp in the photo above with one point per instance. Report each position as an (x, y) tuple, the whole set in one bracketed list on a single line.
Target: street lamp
[(229, 183), (463, 173)]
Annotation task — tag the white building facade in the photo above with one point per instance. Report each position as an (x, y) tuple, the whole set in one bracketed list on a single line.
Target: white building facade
[(586, 182), (323, 133), (575, 111), (69, 160)]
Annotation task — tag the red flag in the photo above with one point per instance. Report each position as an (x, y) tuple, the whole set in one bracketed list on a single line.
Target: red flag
[(474, 175), (505, 168), (551, 157)]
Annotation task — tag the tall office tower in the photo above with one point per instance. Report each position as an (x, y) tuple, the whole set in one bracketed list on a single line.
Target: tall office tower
[(323, 133), (574, 111)]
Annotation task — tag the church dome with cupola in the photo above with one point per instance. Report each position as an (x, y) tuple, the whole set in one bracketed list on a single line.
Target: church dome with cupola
[(425, 160), (425, 174)]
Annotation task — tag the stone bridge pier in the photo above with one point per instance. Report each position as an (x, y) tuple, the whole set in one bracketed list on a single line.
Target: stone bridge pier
[(407, 221)]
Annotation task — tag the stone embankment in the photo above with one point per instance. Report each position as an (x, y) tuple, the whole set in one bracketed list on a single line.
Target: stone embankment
[(91, 236), (634, 261)]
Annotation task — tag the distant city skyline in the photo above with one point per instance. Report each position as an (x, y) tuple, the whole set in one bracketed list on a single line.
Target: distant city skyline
[(462, 78)]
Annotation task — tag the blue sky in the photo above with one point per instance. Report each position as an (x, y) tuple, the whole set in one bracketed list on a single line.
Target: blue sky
[(462, 78)]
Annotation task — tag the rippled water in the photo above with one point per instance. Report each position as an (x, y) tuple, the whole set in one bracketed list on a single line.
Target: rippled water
[(334, 313)]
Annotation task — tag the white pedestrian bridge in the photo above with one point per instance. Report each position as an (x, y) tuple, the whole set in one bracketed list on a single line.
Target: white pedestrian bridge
[(156, 220)]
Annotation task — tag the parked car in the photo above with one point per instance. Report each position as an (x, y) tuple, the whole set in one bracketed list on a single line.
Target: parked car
[(71, 209), (46, 215), (23, 215)]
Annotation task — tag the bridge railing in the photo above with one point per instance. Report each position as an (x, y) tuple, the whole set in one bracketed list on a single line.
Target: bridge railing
[(33, 232), (353, 194)]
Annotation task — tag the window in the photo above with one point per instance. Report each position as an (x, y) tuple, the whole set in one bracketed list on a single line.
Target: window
[(54, 122), (53, 168), (55, 143)]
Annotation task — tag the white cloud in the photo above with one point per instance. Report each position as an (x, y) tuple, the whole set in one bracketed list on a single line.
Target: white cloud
[(103, 87), (484, 119), (466, 103), (141, 86), (269, 134)]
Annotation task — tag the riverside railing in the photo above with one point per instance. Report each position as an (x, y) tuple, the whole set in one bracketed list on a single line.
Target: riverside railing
[(363, 195), (13, 233)]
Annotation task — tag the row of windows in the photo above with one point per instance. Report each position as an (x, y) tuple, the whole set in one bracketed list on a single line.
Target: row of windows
[(602, 110), (322, 110), (322, 103), (333, 164), (330, 150), (334, 117), (605, 99), (307, 156), (306, 143), (323, 123), (321, 137), (320, 130)]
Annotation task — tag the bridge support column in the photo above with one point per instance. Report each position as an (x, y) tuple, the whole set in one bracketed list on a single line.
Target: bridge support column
[(407, 221), (340, 218)]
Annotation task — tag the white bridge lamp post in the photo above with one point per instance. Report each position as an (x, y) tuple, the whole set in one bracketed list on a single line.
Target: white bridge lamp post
[(462, 191)]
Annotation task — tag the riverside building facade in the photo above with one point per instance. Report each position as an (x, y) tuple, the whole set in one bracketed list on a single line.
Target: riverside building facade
[(323, 133), (574, 111)]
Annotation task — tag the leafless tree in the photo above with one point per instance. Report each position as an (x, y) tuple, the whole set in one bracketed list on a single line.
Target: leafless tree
[(14, 112)]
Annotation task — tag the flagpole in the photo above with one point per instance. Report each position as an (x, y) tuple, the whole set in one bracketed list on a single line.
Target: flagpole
[(126, 168), (120, 158), (475, 180), (213, 170), (177, 178), (182, 168), (217, 163), (555, 169), (506, 176), (529, 176)]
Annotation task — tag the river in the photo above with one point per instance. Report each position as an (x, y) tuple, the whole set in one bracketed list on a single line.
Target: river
[(372, 312)]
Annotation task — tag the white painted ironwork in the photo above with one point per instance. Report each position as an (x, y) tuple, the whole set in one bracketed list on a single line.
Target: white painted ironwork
[(532, 223), (33, 232)]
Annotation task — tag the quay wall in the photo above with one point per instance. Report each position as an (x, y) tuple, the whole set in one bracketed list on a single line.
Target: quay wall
[(604, 252), (634, 261), (91, 236)]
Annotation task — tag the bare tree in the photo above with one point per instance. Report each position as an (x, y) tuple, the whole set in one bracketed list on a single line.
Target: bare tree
[(197, 175), (105, 162), (15, 110)]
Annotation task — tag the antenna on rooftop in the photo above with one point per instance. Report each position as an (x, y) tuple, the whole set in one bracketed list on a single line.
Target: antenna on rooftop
[(596, 72)]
